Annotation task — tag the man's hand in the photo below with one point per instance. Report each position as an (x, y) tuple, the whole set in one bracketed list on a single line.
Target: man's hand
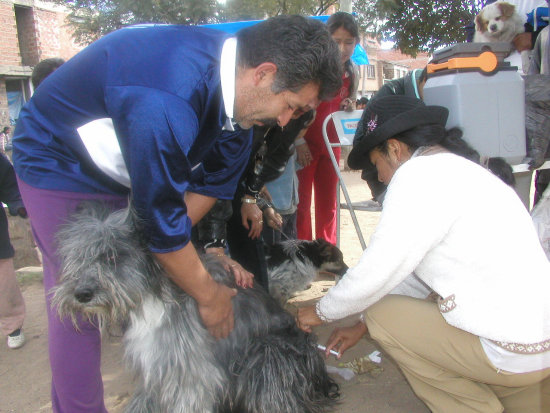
[(346, 337), (273, 219), (217, 313), (251, 213), (185, 268)]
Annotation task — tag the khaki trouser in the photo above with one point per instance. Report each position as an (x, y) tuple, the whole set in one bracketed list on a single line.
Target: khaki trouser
[(447, 367), (12, 306)]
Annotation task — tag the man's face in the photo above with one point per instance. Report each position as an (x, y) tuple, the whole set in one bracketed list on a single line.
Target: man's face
[(257, 104)]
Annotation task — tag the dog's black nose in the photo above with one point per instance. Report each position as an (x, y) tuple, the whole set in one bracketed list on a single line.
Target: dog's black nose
[(493, 27), (84, 296)]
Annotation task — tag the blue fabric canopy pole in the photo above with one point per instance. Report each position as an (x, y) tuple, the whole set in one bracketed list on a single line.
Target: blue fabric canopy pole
[(359, 56)]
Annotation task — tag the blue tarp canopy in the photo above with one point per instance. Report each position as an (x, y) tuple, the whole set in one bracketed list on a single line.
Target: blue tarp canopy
[(359, 56)]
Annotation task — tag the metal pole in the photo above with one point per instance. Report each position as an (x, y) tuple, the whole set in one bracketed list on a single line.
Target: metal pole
[(341, 184)]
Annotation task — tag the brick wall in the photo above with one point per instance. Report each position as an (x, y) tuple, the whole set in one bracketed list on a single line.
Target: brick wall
[(29, 32), (54, 36), (26, 32), (9, 45)]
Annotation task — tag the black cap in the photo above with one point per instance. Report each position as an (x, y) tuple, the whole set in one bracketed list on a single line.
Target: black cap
[(388, 116)]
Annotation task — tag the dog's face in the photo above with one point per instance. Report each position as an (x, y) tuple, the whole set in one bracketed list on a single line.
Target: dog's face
[(326, 256), (103, 264), (495, 19)]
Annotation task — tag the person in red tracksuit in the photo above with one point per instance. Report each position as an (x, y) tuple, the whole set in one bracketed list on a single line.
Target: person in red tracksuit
[(312, 153)]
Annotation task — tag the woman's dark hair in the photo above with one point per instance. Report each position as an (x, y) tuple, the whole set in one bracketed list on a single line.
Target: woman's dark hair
[(343, 20), (347, 22), (300, 47), (430, 135), (6, 129), (451, 139), (502, 169)]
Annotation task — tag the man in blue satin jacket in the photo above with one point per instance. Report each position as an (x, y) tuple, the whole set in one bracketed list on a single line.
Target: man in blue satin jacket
[(158, 112)]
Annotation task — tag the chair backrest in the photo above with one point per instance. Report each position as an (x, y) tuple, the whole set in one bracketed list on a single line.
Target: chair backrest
[(345, 124)]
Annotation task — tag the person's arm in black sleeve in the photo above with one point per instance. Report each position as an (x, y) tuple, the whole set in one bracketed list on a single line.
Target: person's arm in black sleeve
[(9, 191), (278, 142), (212, 228)]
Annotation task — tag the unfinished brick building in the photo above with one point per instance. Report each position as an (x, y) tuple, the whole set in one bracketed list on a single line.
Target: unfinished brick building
[(32, 30)]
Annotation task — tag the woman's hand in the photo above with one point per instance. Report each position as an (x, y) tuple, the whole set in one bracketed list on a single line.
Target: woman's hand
[(243, 278), (303, 155), (307, 317), (273, 219), (346, 337)]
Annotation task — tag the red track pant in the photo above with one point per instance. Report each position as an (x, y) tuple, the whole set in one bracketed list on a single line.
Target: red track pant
[(321, 176)]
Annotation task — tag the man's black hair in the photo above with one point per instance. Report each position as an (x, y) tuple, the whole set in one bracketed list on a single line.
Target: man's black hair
[(44, 68), (300, 47)]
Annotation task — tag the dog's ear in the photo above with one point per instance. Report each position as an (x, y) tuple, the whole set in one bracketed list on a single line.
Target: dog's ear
[(321, 242), (325, 248), (506, 9), (481, 23)]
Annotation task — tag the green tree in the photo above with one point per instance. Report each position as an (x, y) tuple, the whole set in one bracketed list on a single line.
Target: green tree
[(417, 25), (236, 10), (92, 19), (414, 25)]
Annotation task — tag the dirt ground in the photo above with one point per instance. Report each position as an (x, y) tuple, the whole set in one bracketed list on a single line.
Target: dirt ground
[(25, 375)]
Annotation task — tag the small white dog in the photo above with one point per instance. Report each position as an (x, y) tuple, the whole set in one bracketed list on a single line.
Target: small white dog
[(498, 22)]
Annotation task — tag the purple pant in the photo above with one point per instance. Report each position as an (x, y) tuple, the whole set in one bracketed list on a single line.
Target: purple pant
[(75, 356)]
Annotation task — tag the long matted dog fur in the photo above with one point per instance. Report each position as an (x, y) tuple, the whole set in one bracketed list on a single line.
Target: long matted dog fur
[(266, 364)]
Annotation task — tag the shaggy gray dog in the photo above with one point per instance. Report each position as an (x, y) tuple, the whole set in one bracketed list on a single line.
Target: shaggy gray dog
[(266, 364)]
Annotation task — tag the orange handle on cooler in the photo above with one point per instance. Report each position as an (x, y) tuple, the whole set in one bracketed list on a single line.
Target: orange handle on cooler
[(486, 61)]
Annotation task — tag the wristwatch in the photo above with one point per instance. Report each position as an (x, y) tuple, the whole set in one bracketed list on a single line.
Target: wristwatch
[(246, 200)]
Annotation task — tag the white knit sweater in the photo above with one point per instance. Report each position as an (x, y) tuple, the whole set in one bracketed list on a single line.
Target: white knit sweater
[(467, 236)]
